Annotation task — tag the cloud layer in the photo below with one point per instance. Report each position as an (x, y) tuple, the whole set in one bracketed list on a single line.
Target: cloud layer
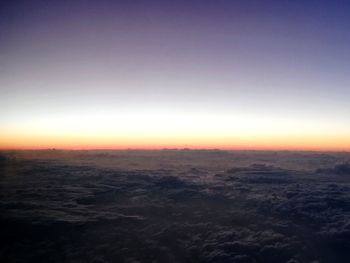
[(60, 212)]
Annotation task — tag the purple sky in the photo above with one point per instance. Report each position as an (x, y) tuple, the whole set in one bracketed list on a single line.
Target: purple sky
[(279, 60)]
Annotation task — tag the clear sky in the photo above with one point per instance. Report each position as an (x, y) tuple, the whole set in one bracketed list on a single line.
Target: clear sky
[(152, 74)]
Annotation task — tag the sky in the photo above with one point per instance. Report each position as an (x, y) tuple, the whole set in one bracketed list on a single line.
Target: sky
[(172, 74)]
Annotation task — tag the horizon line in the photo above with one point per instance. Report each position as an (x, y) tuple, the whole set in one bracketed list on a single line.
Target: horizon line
[(176, 149)]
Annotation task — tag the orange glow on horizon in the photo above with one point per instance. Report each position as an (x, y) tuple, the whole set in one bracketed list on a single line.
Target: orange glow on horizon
[(255, 143), (154, 130)]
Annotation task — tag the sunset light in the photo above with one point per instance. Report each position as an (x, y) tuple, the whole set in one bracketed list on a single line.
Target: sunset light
[(175, 131)]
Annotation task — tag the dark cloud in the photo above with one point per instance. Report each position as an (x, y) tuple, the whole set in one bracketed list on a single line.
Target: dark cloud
[(57, 211), (342, 169)]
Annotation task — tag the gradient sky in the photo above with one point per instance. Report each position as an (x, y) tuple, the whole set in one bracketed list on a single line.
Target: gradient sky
[(148, 74)]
